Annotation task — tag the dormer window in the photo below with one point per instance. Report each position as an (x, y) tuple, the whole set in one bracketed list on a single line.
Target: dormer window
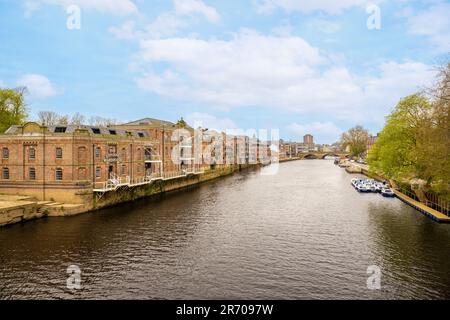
[(113, 132), (60, 129), (96, 130)]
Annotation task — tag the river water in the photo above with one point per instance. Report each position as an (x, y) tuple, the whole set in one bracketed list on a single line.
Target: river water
[(303, 233)]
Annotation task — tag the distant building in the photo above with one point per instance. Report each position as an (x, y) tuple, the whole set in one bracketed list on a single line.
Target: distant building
[(308, 140), (370, 142)]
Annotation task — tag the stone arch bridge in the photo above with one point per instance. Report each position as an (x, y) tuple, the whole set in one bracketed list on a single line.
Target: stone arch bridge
[(323, 155)]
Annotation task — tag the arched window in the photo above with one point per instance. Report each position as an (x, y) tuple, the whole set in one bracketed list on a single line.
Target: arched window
[(124, 154), (98, 152), (32, 174), (58, 174), (5, 173), (5, 153)]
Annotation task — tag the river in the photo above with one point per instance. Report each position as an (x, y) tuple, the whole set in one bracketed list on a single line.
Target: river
[(303, 233)]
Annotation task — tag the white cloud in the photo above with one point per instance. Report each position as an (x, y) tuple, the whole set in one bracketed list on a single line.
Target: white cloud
[(323, 132), (166, 24), (38, 85), (287, 73), (188, 7), (118, 7), (434, 23), (324, 26), (327, 6), (205, 120)]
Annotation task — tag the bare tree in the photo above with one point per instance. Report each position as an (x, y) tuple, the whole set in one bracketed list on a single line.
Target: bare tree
[(48, 118), (78, 119), (102, 122)]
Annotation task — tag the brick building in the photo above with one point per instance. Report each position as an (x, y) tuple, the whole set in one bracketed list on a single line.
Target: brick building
[(65, 162), (70, 163)]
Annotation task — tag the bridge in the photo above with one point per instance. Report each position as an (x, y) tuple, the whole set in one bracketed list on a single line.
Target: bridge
[(322, 155)]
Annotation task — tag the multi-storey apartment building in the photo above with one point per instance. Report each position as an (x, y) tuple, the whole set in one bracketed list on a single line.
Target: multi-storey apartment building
[(64, 163), (71, 163), (176, 142)]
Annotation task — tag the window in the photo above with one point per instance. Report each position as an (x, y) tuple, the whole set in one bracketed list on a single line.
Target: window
[(141, 134), (81, 154), (5, 173), (112, 149), (113, 132), (98, 152), (58, 153), (5, 153), (96, 130), (98, 172), (32, 174), (124, 169), (124, 154), (32, 153), (60, 129), (82, 173), (59, 174)]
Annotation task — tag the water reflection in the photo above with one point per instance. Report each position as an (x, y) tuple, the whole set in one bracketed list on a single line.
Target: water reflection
[(303, 233)]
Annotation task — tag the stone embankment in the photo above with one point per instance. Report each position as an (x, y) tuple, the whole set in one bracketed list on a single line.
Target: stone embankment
[(14, 209)]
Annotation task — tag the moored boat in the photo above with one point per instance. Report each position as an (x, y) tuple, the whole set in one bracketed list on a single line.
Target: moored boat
[(387, 192)]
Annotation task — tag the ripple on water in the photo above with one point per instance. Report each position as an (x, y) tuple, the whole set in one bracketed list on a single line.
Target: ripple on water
[(303, 233)]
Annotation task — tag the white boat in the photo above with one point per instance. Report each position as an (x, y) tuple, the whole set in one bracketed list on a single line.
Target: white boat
[(387, 192)]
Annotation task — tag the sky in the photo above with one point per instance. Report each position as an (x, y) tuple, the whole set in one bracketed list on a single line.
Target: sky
[(299, 66)]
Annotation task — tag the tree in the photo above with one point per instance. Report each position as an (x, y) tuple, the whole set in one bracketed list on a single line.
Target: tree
[(395, 152), (356, 140), (434, 145), (78, 119), (102, 122), (48, 118), (12, 108)]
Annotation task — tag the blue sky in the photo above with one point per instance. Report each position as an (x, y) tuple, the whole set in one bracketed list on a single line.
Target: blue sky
[(298, 66)]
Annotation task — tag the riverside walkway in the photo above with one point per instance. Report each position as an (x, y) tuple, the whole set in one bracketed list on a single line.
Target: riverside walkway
[(430, 212)]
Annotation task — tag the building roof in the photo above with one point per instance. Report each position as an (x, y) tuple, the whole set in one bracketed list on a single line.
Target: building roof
[(149, 121), (93, 130)]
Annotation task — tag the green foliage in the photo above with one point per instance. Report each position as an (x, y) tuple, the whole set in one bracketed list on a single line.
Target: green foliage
[(356, 140), (12, 108), (415, 144)]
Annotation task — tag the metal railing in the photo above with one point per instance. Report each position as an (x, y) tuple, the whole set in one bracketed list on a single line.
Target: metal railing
[(115, 182), (152, 157)]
